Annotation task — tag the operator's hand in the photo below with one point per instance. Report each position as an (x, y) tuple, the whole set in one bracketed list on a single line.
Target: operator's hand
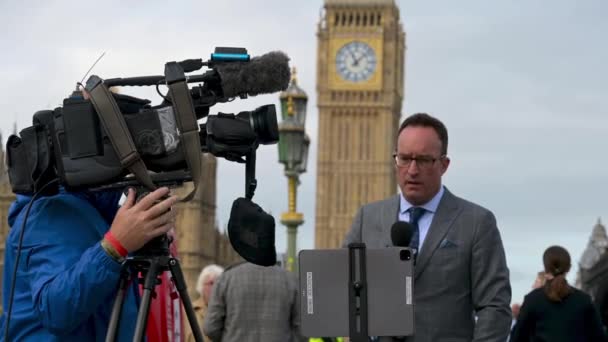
[(137, 223)]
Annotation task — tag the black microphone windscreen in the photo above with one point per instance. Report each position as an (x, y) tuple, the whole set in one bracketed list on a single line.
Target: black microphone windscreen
[(264, 74), (401, 234), (251, 232)]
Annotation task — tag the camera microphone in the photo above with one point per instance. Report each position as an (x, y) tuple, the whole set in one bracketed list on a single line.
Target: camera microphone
[(264, 74)]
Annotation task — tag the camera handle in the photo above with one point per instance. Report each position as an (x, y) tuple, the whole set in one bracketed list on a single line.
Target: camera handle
[(151, 260), (250, 182)]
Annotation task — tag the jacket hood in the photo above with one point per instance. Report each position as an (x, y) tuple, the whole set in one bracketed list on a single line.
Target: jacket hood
[(16, 207)]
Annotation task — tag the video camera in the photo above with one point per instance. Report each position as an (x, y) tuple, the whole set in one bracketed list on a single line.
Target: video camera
[(101, 139)]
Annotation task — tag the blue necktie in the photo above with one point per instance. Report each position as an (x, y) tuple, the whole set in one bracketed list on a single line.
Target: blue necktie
[(415, 215)]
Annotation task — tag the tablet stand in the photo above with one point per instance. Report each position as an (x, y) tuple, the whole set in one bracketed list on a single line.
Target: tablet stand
[(357, 293)]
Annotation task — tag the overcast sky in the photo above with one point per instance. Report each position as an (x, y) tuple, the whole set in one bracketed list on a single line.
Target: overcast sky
[(520, 86)]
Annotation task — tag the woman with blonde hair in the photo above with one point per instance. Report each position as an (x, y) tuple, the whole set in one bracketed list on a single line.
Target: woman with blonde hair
[(556, 311), (204, 285)]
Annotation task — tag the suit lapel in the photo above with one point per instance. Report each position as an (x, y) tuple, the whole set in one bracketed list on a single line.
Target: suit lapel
[(390, 214), (442, 221)]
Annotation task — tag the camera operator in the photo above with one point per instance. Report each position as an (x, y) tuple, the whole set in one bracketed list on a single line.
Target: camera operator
[(70, 262)]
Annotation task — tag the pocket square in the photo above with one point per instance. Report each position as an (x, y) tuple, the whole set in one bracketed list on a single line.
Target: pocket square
[(445, 243)]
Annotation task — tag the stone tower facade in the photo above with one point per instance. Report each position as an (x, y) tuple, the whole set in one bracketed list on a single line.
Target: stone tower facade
[(199, 241), (593, 265), (360, 77)]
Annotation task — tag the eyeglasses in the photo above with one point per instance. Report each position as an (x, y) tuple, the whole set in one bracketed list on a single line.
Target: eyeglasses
[(423, 162)]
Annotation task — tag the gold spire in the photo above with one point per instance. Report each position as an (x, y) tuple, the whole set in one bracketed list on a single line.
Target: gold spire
[(294, 78), (292, 89)]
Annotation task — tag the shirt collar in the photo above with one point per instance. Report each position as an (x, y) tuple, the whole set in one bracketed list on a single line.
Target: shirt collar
[(431, 205)]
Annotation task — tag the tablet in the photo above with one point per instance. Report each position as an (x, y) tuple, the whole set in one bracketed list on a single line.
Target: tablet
[(324, 284)]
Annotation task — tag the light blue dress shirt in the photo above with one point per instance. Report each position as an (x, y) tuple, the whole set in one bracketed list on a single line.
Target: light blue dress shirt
[(425, 221)]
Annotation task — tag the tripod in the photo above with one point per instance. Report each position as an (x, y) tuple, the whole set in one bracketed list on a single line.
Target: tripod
[(151, 260)]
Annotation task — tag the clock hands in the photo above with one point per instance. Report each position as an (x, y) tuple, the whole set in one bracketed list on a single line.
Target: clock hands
[(358, 59), (355, 59)]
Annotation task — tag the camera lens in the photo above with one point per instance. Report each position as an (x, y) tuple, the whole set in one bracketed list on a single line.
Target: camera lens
[(264, 123), (405, 254)]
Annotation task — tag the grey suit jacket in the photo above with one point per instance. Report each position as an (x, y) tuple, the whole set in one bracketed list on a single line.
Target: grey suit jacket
[(254, 303), (460, 275)]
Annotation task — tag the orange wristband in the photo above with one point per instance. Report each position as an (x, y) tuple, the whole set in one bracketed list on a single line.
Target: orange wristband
[(116, 244)]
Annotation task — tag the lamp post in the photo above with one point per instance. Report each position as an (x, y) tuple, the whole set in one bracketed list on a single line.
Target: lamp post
[(293, 154)]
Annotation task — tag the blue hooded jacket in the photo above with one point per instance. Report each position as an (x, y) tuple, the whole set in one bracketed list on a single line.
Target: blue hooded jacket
[(65, 283)]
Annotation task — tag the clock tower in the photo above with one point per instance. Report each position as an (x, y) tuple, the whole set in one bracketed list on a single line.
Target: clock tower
[(360, 76)]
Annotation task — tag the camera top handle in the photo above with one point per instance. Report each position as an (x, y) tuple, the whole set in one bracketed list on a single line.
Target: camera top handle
[(143, 81), (221, 55)]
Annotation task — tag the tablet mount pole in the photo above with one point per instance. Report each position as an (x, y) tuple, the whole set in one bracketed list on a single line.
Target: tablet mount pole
[(357, 293)]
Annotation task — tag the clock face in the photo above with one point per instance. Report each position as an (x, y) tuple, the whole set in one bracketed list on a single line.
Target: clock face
[(356, 61)]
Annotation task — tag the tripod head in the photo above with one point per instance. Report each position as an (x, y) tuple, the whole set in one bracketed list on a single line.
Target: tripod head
[(146, 266)]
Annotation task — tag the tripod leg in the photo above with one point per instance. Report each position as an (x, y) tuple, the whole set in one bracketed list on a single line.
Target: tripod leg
[(144, 307), (117, 307), (180, 284)]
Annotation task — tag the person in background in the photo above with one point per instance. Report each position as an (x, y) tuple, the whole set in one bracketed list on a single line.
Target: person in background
[(556, 311), (254, 303), (540, 280), (601, 301), (515, 311), (204, 286)]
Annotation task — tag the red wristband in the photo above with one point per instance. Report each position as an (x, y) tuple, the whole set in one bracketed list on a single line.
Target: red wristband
[(116, 244)]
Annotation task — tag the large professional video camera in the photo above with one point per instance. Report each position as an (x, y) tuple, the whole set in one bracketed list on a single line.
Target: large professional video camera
[(100, 139)]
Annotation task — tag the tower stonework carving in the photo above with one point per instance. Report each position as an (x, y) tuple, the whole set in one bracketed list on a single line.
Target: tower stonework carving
[(199, 242), (360, 77), (593, 264)]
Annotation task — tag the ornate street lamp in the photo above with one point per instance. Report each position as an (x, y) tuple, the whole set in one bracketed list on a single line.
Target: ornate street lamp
[(293, 153)]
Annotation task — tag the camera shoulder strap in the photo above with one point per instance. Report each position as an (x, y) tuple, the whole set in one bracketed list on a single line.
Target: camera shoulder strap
[(186, 121), (117, 130)]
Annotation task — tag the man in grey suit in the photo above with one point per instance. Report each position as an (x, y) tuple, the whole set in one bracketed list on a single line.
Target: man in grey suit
[(254, 303), (462, 290)]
